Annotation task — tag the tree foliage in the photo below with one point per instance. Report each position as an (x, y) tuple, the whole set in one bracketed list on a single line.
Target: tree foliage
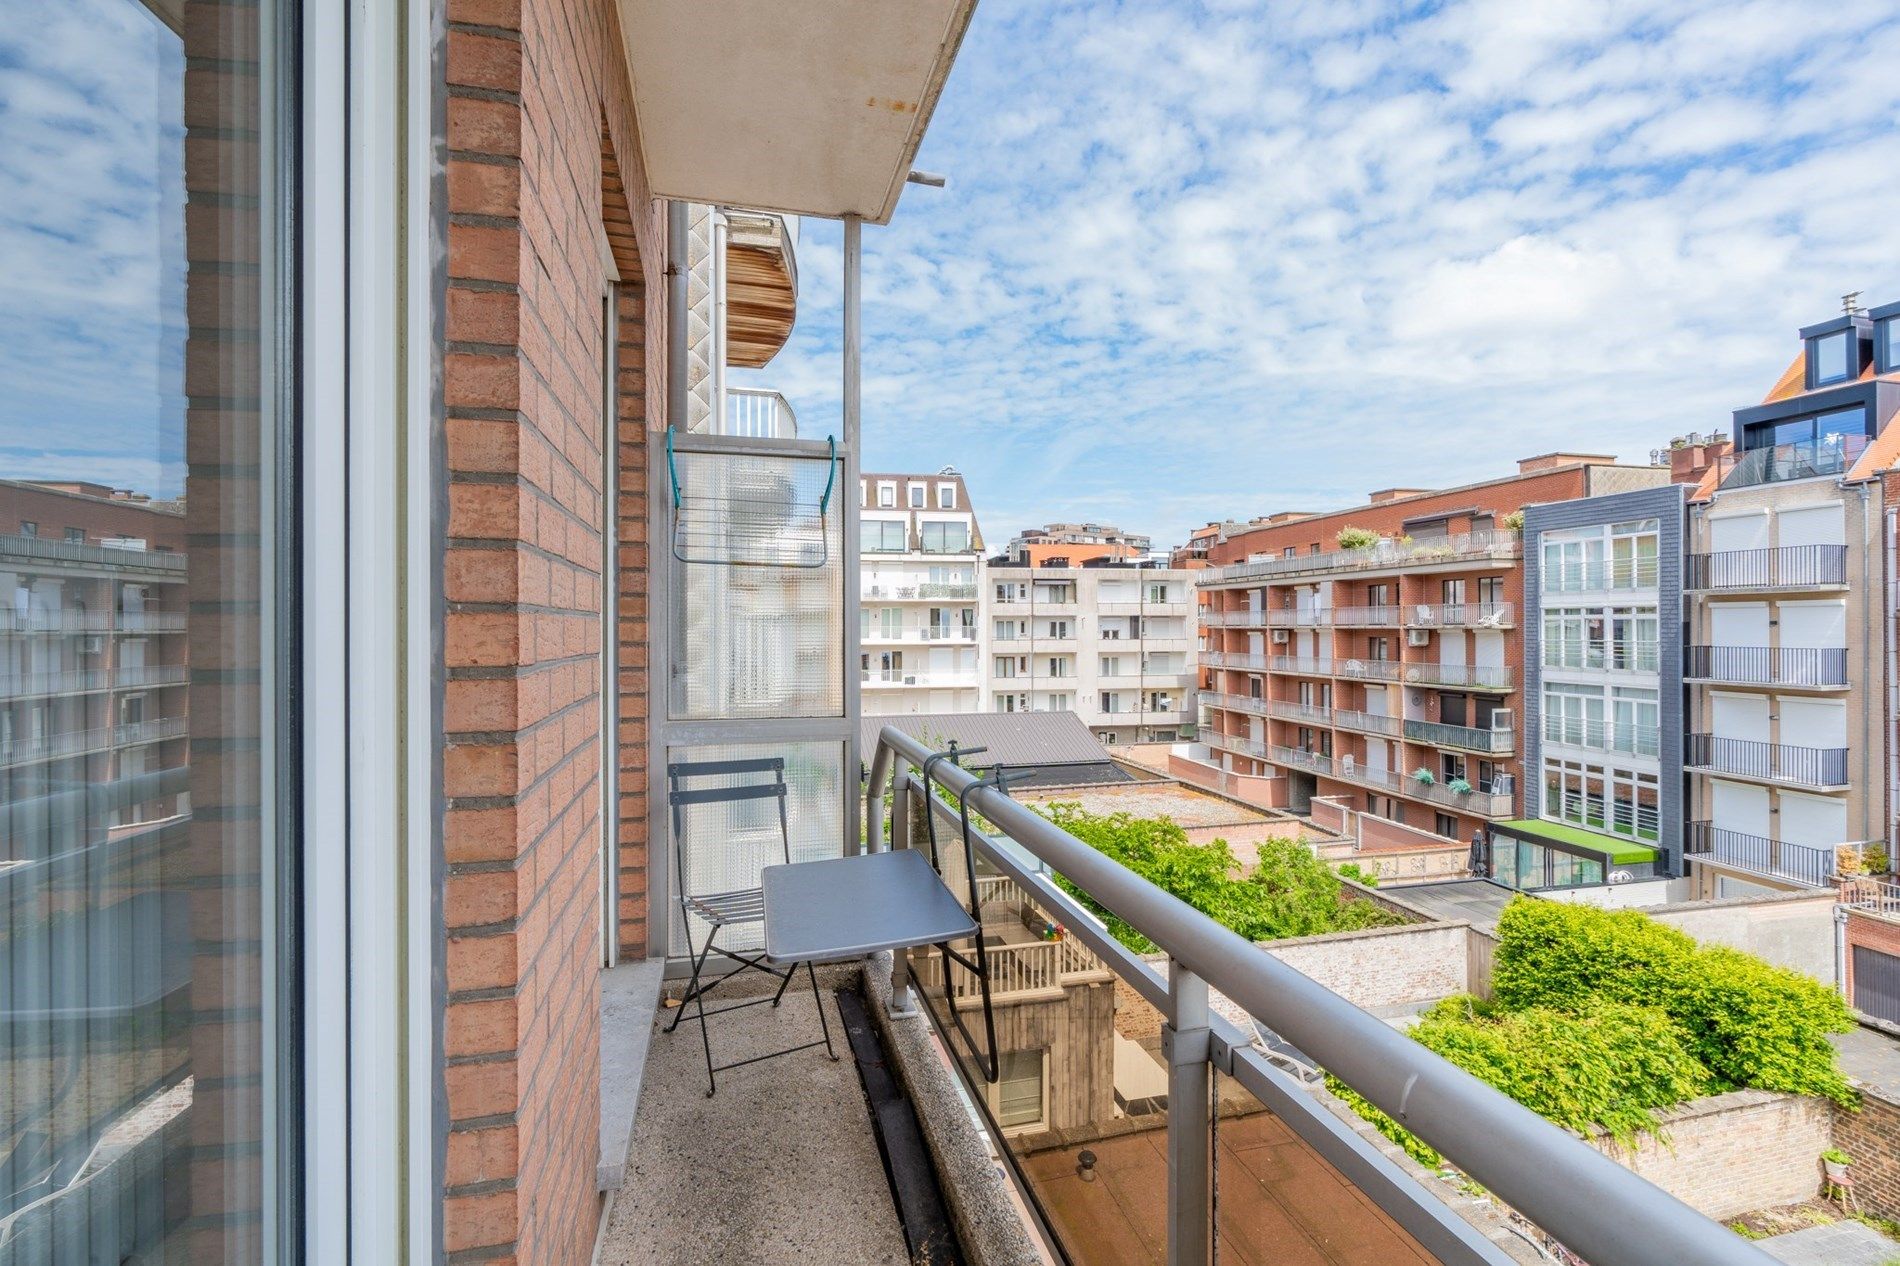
[(1290, 892)]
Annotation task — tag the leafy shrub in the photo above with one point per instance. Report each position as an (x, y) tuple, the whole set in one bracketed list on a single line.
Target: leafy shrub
[(1357, 538), (1290, 893), (1751, 1023)]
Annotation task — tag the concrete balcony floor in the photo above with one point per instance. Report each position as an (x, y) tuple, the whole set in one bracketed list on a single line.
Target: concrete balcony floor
[(779, 1166)]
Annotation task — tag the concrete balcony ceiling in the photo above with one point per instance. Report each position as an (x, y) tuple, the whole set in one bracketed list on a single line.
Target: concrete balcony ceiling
[(806, 109)]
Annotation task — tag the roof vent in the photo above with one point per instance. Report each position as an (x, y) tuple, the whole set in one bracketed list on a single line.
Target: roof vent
[(1850, 304)]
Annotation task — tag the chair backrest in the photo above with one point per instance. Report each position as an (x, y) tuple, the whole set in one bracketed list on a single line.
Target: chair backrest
[(749, 781)]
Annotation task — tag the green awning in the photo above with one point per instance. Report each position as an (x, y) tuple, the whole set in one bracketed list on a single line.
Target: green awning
[(1621, 852)]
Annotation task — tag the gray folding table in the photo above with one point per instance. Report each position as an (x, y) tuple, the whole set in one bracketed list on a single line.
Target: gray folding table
[(847, 907)]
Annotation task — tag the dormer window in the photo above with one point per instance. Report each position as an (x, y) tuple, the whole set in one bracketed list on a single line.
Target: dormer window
[(916, 496), (887, 495), (1837, 350), (1886, 338)]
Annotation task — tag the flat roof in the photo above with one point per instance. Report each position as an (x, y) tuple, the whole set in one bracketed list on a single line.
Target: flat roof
[(1188, 807), (1621, 851)]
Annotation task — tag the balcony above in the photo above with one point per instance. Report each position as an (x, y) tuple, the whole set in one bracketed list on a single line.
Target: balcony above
[(1829, 457), (1494, 549), (759, 414), (761, 286), (1813, 768), (1782, 667), (793, 108), (1462, 676), (1464, 738), (1775, 859), (1769, 570)]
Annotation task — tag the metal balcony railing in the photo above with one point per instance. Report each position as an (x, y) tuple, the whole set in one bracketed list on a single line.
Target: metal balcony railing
[(1367, 722), (759, 414), (1801, 863), (1242, 619), (1299, 617), (1461, 615), (1312, 666), (107, 556), (1300, 758), (1501, 545), (1236, 743), (1472, 676), (38, 747), (1599, 575), (87, 680), (1779, 463), (1480, 801), (1236, 659), (1818, 767), (1784, 567), (1494, 741), (1768, 665), (1366, 617), (1553, 1179), (1604, 736), (1615, 656), (1292, 710)]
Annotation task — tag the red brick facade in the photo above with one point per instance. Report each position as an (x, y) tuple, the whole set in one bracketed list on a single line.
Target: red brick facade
[(543, 164)]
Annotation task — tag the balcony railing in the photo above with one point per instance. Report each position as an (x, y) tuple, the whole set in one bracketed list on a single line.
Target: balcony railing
[(1799, 863), (1461, 615), (1600, 575), (1779, 463), (1471, 676), (956, 634), (1824, 666), (110, 557), (759, 414), (1818, 767), (1239, 743), (964, 593), (1604, 736), (1300, 758), (85, 742), (1366, 617), (1311, 665), (1369, 669), (1299, 617), (1614, 656), (1367, 722), (1472, 547), (1479, 801), (1554, 1180), (87, 680), (1493, 741), (1242, 619), (1235, 659), (1784, 567), (1292, 710)]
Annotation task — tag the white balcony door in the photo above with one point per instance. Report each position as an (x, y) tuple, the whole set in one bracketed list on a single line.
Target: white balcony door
[(1738, 807), (1814, 722), (1739, 716), (1816, 821), (1811, 525), (1812, 624)]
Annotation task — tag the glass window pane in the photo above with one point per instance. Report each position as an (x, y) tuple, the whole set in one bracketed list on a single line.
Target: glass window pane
[(142, 856), (1830, 357)]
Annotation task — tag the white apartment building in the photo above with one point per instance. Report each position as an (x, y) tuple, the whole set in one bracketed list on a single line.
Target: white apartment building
[(1115, 644), (920, 559)]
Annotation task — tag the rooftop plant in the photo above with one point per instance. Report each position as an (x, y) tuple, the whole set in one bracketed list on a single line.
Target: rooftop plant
[(1357, 538)]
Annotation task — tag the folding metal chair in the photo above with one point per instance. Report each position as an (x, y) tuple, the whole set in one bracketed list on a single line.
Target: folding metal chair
[(736, 908)]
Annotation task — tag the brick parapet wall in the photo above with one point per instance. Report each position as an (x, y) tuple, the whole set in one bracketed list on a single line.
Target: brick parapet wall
[(538, 109), (1872, 1137), (1730, 1154)]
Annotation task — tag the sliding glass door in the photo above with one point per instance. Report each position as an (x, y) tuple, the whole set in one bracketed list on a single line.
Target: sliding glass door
[(147, 868)]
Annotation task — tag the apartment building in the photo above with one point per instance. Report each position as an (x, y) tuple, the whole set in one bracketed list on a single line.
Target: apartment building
[(1602, 739), (1114, 644), (1787, 659), (1374, 655), (1073, 545), (920, 560)]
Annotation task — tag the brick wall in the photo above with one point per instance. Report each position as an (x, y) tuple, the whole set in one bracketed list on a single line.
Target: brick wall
[(538, 112), (1868, 931), (1382, 967), (1729, 1154), (1872, 1137)]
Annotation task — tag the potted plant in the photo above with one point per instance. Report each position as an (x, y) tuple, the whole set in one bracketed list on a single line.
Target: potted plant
[(1458, 787), (1835, 1162), (1423, 776), (1357, 538)]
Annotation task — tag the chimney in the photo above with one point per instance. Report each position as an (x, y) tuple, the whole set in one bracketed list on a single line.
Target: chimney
[(1551, 461)]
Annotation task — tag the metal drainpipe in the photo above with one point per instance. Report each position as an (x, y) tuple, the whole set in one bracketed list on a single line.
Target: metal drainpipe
[(1888, 597), (1868, 659), (676, 315), (721, 231)]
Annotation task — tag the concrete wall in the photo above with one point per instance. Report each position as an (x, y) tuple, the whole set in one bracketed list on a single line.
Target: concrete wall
[(1796, 931), (1383, 967), (1405, 864), (1729, 1154)]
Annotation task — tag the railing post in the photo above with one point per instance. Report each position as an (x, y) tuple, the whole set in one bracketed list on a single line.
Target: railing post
[(901, 1003), (1184, 1044)]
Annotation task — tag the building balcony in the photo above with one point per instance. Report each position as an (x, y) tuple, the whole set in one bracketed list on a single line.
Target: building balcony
[(1619, 575), (759, 414), (1787, 667), (920, 593), (1242, 619), (1775, 859), (1299, 617), (1307, 665), (1239, 660), (1464, 676), (886, 636), (881, 678), (1461, 615), (1467, 738), (1478, 802), (1768, 570), (1368, 722), (1300, 758), (105, 560), (1366, 617), (90, 681), (1604, 736), (41, 747), (1607, 657), (1785, 463), (1816, 768), (1239, 744), (1495, 548)]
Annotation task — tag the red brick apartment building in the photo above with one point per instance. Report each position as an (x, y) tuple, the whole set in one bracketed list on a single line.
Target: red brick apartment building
[(1372, 657)]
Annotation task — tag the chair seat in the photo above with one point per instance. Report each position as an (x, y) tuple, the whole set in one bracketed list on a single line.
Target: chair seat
[(724, 909)]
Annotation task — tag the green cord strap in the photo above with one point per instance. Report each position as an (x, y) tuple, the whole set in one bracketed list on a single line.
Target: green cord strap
[(831, 474), (672, 467)]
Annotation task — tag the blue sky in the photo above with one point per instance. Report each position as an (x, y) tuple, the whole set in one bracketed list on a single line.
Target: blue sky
[(1213, 260)]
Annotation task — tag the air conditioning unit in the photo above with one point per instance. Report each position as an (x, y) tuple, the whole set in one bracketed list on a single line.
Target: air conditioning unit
[(910, 681), (1281, 637), (1418, 637)]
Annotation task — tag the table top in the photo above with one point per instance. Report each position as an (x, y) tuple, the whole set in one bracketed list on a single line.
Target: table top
[(846, 907)]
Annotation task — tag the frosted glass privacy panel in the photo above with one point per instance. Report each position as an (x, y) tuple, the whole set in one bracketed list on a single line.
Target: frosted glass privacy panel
[(724, 846), (758, 641)]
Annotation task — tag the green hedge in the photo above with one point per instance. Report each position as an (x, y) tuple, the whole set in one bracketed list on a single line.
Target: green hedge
[(1751, 1023), (1290, 893)]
